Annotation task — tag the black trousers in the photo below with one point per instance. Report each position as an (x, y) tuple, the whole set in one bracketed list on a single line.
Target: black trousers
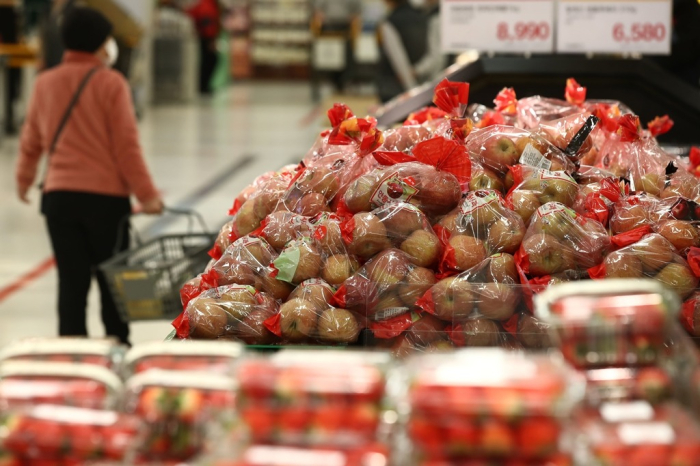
[(84, 230), (209, 57)]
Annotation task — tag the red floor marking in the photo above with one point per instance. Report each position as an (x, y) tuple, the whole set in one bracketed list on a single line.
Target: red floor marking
[(310, 117), (26, 279)]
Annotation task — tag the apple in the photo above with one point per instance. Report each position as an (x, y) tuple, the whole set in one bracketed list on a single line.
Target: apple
[(417, 282), (402, 347), (238, 302), (627, 217), (559, 223), (298, 319), (388, 268), (525, 203), (680, 233), (547, 255), (438, 192), (320, 180), (679, 278), (439, 346), (207, 317), (481, 332), (502, 269), (401, 219), (310, 261), (223, 241), (499, 153), (235, 273), (505, 235), (469, 251), (427, 330), (283, 227), (453, 299), (650, 183), (256, 253), (247, 220), (508, 181), (559, 190), (361, 293), (369, 236), (314, 291), (483, 178), (496, 301), (522, 142), (358, 197), (252, 330), (311, 204), (623, 264), (338, 268), (338, 326), (532, 333), (278, 289), (451, 222), (654, 251), (423, 248)]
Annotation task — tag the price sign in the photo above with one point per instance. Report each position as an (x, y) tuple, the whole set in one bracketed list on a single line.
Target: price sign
[(642, 26), (498, 26)]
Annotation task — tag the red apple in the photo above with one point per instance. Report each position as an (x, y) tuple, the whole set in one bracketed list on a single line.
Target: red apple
[(547, 255), (453, 299), (358, 197), (207, 317), (654, 251), (499, 153), (311, 204), (417, 282), (319, 180), (481, 332), (468, 251), (623, 264), (496, 301), (423, 247), (338, 326), (315, 291), (401, 219), (650, 183), (628, 217), (369, 236), (328, 236), (388, 268), (532, 333), (483, 178), (238, 302), (427, 330), (505, 235), (252, 330), (338, 268), (525, 203), (298, 320), (681, 234), (502, 269), (679, 278), (283, 227)]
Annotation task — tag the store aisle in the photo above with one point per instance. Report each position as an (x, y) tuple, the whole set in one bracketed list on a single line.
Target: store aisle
[(201, 156)]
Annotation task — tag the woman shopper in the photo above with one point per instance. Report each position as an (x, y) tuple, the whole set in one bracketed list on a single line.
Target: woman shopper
[(82, 117)]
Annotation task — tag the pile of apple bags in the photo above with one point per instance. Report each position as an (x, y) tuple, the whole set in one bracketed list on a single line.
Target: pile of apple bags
[(438, 233)]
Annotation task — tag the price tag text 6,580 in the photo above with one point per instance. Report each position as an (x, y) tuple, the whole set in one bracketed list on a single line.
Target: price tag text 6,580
[(639, 32), (523, 30)]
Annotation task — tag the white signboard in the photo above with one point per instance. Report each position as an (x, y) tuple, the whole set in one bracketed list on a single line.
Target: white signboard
[(498, 26), (614, 26)]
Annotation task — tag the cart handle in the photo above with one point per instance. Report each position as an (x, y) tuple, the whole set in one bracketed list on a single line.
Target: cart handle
[(191, 215)]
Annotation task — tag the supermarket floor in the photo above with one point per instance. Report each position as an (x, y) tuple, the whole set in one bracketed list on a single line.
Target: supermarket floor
[(201, 155)]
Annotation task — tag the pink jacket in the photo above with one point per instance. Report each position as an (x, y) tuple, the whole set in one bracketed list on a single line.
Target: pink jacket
[(99, 150)]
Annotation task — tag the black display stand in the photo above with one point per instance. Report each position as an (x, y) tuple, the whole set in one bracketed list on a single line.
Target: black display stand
[(642, 85)]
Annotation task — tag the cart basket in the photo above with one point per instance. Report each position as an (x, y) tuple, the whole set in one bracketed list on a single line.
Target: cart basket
[(145, 281)]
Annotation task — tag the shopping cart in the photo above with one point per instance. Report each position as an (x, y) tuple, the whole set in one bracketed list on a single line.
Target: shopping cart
[(145, 281)]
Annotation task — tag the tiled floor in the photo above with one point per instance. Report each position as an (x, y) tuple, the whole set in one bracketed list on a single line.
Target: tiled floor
[(188, 147)]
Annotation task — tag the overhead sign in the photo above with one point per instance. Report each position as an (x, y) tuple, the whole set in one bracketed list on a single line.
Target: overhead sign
[(638, 26), (498, 26)]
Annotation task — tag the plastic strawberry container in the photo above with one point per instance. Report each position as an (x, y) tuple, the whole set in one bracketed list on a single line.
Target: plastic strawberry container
[(29, 383), (59, 435), (490, 403), (266, 455), (639, 434), (101, 352), (301, 397), (182, 411), (610, 322), (218, 357)]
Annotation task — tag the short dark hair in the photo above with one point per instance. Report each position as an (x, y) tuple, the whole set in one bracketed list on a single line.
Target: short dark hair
[(84, 29)]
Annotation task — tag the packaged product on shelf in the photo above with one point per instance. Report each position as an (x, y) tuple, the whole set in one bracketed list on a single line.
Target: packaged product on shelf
[(271, 455), (100, 352), (432, 179), (218, 357), (610, 323), (650, 385), (314, 398), (182, 411), (492, 405), (653, 256), (311, 314), (226, 312), (404, 139), (638, 433), (501, 147), (29, 383), (560, 240), (597, 198), (638, 214), (58, 435)]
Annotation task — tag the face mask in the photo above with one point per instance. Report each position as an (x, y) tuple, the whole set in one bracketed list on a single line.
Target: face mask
[(112, 52)]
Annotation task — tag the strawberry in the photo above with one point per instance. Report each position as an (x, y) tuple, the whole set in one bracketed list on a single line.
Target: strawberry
[(462, 437), (611, 455), (649, 455), (190, 402), (330, 418), (293, 418), (363, 418), (538, 436), (685, 455), (425, 434), (653, 384), (260, 421), (497, 438)]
